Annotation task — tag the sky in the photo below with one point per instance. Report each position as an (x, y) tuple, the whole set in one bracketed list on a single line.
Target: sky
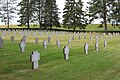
[(60, 4)]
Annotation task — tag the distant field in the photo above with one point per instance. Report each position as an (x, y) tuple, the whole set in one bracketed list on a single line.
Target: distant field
[(101, 65), (11, 26), (95, 27), (91, 27)]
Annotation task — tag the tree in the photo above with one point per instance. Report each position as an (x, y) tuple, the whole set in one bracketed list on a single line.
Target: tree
[(100, 9), (25, 12), (74, 15), (115, 12), (38, 12), (7, 11), (51, 14)]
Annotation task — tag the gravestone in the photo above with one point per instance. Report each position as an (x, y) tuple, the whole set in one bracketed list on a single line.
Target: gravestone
[(96, 46), (63, 34), (105, 43), (69, 41), (24, 39), (14, 33), (110, 36), (72, 37), (86, 48), (79, 37), (66, 52), (49, 38), (12, 38), (84, 35), (36, 40), (34, 57), (58, 43), (90, 37), (1, 42), (44, 44), (22, 46), (101, 36), (96, 37), (56, 35)]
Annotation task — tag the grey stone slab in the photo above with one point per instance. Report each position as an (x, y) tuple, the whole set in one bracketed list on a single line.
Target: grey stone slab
[(36, 40), (1, 42), (44, 44), (34, 58), (86, 48), (66, 52), (22, 46)]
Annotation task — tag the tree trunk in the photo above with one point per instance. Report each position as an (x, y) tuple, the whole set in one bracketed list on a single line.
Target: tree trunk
[(7, 15), (28, 15), (39, 15), (105, 14), (74, 28)]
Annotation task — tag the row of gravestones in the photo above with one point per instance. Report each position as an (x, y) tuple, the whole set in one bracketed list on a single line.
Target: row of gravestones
[(35, 56), (25, 32), (23, 42), (58, 42), (47, 32)]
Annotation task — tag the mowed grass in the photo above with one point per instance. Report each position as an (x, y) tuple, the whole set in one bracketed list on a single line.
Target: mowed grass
[(90, 27), (101, 65)]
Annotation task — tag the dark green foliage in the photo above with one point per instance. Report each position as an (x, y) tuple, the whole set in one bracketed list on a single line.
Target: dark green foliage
[(38, 12), (115, 13), (74, 15), (101, 9), (42, 12), (7, 11), (51, 14), (25, 12)]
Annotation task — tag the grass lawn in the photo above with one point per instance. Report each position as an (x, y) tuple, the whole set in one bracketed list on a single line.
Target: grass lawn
[(101, 65), (90, 27)]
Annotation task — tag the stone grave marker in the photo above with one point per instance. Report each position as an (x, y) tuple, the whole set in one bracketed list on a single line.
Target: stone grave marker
[(90, 37), (1, 42), (86, 48), (79, 37), (63, 34), (72, 37), (84, 35), (49, 38), (36, 40), (96, 46), (58, 43), (34, 57), (14, 33), (56, 35), (22, 46), (44, 44), (105, 43), (69, 41), (24, 39), (12, 38), (66, 52), (101, 36), (96, 37), (110, 35)]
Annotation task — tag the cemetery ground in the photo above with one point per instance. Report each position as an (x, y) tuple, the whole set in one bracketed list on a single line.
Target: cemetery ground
[(96, 65), (90, 27)]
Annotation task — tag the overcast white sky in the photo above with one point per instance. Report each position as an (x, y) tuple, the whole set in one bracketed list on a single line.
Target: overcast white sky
[(60, 4)]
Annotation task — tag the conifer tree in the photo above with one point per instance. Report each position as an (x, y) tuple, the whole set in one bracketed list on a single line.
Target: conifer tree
[(7, 11), (74, 15)]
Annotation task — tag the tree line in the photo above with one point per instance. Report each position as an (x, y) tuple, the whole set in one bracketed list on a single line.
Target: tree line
[(45, 13)]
